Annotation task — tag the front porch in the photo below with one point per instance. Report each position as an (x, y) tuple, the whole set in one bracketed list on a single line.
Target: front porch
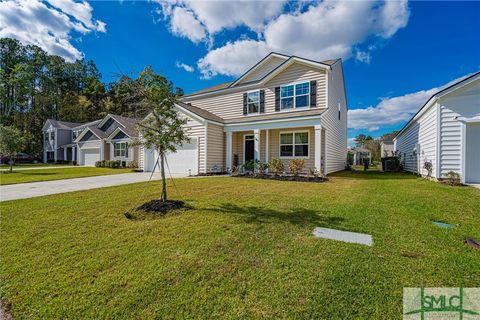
[(284, 141)]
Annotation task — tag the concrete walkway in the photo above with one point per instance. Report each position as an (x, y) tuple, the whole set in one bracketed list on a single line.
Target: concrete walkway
[(475, 185), (38, 189)]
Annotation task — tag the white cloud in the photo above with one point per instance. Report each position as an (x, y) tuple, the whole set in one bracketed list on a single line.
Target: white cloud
[(363, 56), (326, 30), (184, 66), (200, 20), (183, 23), (239, 54), (392, 111), (48, 24)]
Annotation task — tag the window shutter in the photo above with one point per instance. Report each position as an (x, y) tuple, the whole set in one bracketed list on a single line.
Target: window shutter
[(126, 149), (262, 101), (313, 93), (277, 98), (244, 103)]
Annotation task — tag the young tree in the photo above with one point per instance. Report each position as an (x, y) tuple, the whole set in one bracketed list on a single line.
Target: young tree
[(11, 143), (162, 129)]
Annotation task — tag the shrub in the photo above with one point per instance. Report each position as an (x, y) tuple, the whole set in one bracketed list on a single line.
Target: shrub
[(276, 166), (133, 164), (315, 173), (116, 164), (453, 178), (249, 165), (296, 166), (98, 163), (260, 167), (75, 163), (124, 164)]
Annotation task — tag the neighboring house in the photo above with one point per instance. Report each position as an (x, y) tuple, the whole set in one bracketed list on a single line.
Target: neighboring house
[(387, 148), (106, 139), (446, 133), (360, 155), (283, 107)]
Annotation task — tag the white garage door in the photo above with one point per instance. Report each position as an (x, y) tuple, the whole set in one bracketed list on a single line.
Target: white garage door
[(472, 154), (184, 161), (89, 156)]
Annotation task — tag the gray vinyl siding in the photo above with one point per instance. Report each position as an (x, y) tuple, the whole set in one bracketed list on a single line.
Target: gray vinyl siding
[(230, 105), (64, 136), (335, 129), (215, 147)]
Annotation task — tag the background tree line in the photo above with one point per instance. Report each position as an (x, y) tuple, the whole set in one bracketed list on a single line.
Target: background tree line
[(374, 145), (36, 86)]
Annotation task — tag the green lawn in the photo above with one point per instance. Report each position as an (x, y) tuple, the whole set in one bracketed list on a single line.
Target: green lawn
[(23, 176), (31, 165), (245, 250)]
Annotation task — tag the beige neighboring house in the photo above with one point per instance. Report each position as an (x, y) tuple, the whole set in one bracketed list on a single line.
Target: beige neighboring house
[(284, 107)]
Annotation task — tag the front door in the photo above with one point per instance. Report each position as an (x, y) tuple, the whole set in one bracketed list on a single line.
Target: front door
[(249, 147)]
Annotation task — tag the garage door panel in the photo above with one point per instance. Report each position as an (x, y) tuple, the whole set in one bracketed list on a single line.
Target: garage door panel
[(184, 161), (90, 156)]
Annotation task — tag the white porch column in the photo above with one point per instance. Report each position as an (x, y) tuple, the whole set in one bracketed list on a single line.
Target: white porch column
[(228, 162), (256, 144), (267, 145), (318, 147)]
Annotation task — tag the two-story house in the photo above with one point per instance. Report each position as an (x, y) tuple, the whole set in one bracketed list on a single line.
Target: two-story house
[(109, 138), (284, 107)]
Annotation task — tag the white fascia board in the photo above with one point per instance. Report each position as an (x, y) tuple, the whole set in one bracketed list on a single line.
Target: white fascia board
[(108, 116), (419, 114), (475, 119), (118, 129), (190, 114), (274, 124), (458, 86), (264, 80), (262, 62), (80, 136)]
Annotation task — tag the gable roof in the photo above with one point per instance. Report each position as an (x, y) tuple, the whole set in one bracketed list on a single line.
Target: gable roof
[(62, 124), (438, 95), (289, 60), (202, 113)]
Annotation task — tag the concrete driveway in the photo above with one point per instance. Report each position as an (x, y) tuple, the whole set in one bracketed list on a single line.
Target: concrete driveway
[(38, 189)]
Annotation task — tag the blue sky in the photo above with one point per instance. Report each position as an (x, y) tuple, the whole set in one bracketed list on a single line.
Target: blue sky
[(396, 54)]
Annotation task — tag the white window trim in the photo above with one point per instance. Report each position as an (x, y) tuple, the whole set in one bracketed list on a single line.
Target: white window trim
[(253, 113), (293, 156), (294, 96), (126, 147)]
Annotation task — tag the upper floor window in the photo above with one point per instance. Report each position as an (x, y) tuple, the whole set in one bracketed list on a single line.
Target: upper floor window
[(253, 101), (74, 135), (52, 135), (295, 96), (120, 149)]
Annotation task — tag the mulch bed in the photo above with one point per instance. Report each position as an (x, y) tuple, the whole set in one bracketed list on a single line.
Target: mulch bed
[(162, 207), (285, 178)]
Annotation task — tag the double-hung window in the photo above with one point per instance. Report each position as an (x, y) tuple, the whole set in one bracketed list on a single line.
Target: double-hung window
[(120, 149), (294, 144), (253, 102), (295, 96)]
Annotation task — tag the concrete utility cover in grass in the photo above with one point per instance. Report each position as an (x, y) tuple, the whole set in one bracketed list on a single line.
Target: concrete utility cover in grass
[(443, 224), (345, 236)]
